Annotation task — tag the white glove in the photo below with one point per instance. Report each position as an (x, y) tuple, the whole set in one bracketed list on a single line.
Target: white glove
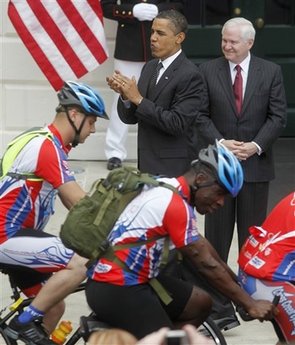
[(144, 11)]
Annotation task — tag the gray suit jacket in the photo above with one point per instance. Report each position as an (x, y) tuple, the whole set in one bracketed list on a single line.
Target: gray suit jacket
[(263, 114), (166, 120)]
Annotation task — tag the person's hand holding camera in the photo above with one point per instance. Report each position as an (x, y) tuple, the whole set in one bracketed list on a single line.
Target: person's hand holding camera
[(189, 335)]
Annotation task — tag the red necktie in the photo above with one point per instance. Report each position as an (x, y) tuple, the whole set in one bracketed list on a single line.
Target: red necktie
[(238, 89)]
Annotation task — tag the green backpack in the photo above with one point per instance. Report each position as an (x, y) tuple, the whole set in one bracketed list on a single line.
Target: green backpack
[(90, 221)]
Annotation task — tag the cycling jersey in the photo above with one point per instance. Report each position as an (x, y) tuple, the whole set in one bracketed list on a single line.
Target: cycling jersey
[(26, 203), (269, 253), (266, 289), (155, 212), (267, 263)]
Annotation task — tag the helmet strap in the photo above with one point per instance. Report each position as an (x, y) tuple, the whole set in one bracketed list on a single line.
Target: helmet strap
[(76, 139), (198, 186)]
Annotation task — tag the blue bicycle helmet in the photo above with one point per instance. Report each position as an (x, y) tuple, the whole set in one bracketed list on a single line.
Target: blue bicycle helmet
[(228, 169), (84, 96)]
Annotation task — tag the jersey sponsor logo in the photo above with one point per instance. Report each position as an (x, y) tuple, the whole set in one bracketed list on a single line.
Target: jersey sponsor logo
[(286, 304), (103, 268), (257, 262), (267, 251), (248, 255), (254, 243)]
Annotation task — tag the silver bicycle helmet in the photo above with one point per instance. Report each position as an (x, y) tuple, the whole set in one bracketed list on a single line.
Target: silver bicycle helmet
[(228, 169), (84, 96)]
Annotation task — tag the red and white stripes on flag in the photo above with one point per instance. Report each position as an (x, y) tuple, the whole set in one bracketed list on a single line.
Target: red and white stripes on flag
[(65, 37)]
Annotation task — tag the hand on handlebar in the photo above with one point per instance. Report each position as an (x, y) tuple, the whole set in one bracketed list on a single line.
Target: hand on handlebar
[(263, 310)]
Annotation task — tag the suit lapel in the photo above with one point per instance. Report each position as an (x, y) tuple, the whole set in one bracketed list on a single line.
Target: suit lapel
[(226, 82), (252, 82), (147, 74)]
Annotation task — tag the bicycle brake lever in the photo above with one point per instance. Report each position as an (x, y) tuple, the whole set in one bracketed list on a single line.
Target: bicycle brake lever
[(243, 314), (246, 317), (276, 300)]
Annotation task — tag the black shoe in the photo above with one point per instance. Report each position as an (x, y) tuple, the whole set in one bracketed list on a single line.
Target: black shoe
[(114, 163), (32, 333), (227, 322)]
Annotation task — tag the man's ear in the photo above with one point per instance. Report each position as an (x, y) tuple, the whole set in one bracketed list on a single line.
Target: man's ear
[(180, 37), (200, 178), (250, 43), (72, 113)]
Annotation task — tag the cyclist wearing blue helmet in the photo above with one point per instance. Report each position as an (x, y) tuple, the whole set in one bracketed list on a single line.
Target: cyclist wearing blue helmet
[(225, 166), (86, 101), (126, 295), (34, 171)]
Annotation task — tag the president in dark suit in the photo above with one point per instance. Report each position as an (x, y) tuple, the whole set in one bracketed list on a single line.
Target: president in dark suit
[(132, 51), (244, 108), (164, 106)]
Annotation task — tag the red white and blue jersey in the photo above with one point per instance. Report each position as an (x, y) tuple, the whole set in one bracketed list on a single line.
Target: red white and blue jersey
[(26, 203), (269, 253), (154, 212), (267, 289)]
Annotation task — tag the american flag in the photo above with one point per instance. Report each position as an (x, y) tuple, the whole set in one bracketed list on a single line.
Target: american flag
[(65, 37)]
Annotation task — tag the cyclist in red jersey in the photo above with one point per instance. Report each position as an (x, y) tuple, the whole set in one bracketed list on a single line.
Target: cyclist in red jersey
[(27, 193), (267, 264), (126, 295)]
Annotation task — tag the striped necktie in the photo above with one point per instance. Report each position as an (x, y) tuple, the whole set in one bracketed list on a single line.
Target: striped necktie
[(154, 78), (238, 89)]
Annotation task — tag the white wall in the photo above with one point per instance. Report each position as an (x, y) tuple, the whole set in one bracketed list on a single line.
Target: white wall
[(28, 100)]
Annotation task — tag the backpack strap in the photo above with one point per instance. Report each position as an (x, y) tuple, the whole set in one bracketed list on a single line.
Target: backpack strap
[(160, 291), (124, 200), (155, 284), (111, 255), (24, 176), (152, 181), (14, 148)]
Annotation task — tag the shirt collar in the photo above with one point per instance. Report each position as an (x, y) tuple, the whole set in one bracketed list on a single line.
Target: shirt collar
[(168, 61), (57, 134), (244, 64), (184, 188)]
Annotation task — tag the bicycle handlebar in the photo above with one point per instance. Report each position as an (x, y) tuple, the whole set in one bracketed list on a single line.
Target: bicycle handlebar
[(246, 317)]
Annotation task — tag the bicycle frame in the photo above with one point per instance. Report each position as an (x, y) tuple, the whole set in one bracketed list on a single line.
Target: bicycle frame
[(88, 324), (17, 306)]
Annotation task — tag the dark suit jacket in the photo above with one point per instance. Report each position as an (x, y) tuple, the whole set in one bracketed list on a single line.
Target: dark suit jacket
[(133, 36), (166, 121), (263, 114)]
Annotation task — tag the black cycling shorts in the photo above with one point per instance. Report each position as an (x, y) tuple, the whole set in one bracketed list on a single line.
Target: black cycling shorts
[(138, 308), (25, 277)]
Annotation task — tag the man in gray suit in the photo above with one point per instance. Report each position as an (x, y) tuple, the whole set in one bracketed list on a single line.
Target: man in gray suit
[(165, 112), (246, 121)]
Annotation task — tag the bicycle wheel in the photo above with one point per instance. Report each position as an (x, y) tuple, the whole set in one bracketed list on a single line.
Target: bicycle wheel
[(210, 330)]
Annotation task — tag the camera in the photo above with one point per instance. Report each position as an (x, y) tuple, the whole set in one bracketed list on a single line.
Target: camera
[(176, 337)]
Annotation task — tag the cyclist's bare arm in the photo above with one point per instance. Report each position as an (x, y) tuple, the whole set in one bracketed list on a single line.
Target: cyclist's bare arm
[(215, 255), (210, 266), (70, 193)]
